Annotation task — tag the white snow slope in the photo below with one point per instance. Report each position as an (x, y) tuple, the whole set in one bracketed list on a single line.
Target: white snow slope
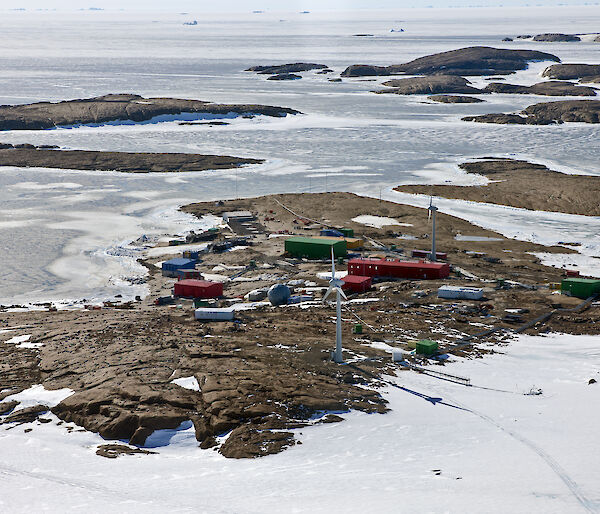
[(497, 450)]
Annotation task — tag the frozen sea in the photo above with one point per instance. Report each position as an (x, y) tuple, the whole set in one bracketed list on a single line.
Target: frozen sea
[(66, 234)]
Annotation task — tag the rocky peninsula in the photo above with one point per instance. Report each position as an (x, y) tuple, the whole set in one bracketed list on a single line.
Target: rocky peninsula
[(267, 374), (524, 185), (27, 156), (119, 108)]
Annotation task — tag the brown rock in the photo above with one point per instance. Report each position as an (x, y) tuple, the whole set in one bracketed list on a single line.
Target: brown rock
[(6, 407), (112, 451), (245, 442), (26, 415)]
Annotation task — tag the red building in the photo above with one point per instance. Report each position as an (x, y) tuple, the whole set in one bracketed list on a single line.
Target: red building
[(198, 289), (356, 283), (397, 269)]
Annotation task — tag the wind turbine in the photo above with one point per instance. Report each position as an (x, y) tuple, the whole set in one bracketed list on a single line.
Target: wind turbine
[(431, 215), (335, 284)]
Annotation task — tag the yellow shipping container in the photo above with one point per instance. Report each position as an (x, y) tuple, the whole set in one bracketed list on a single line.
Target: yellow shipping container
[(351, 242)]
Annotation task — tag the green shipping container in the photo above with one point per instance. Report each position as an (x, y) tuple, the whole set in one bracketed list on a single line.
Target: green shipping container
[(580, 287), (312, 248), (348, 232), (427, 347)]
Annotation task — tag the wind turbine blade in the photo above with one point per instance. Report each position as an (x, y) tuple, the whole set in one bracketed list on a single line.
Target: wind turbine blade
[(339, 289), (332, 264), (331, 288)]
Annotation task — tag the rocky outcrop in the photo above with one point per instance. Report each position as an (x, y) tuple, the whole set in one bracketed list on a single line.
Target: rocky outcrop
[(550, 88), (26, 415), (287, 68), (131, 411), (571, 71), (454, 99), (547, 113), (472, 61), (112, 451), (556, 38), (256, 391), (120, 107), (6, 407), (285, 76), (429, 85), (25, 156)]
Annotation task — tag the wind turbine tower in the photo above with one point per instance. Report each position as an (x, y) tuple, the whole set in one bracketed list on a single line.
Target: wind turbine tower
[(335, 284), (432, 210)]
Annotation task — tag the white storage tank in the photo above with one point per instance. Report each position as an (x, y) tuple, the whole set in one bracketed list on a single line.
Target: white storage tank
[(214, 313), (460, 293)]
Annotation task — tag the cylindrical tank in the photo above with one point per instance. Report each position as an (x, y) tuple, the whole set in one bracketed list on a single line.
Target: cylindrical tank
[(279, 294)]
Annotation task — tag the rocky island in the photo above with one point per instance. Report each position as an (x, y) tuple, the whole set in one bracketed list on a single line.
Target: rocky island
[(428, 85), (120, 108), (455, 99), (471, 61), (26, 156), (554, 37), (549, 88), (547, 113)]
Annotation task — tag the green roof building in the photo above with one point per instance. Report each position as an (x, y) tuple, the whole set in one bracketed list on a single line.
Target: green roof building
[(312, 248), (580, 287), (426, 347)]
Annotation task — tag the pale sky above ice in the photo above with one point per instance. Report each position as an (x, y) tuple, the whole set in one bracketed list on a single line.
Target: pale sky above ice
[(274, 5)]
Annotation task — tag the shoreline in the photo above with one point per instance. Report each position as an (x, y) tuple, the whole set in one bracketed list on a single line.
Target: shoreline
[(181, 209)]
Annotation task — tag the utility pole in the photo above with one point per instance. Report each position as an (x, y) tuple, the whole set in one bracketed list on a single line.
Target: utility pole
[(432, 210)]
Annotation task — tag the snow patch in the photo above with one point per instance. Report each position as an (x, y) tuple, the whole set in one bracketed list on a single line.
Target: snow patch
[(378, 221)]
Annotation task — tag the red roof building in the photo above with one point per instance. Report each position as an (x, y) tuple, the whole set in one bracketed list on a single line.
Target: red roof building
[(397, 269), (198, 289), (356, 283)]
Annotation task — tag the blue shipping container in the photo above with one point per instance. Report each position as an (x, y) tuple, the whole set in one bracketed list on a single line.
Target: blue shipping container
[(331, 233), (175, 264)]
